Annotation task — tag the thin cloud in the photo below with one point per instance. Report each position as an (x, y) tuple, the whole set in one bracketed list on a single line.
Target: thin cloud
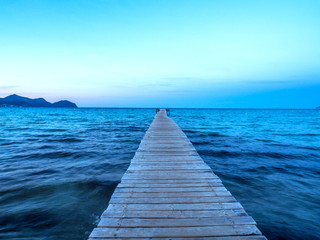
[(8, 87)]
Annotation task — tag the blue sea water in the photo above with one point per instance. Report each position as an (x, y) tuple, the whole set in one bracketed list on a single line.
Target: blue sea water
[(59, 167)]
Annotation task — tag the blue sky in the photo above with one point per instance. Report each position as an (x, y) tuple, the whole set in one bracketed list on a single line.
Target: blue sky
[(162, 53)]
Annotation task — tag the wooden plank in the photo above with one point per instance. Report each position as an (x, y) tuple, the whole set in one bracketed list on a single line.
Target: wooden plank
[(163, 232), (180, 189), (176, 181), (184, 222), (168, 160), (168, 185), (157, 169), (165, 153), (169, 157), (168, 194), (170, 175), (174, 206), (151, 199), (246, 237), (185, 148), (165, 143), (165, 146), (120, 199), (166, 168), (179, 166), (174, 214), (165, 161), (145, 162), (166, 177), (156, 165)]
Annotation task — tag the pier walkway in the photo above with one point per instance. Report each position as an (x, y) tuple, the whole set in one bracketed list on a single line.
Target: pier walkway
[(168, 192)]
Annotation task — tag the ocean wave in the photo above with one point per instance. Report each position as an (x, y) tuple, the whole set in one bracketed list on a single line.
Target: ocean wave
[(54, 130), (200, 142), (297, 134), (212, 134), (251, 154), (50, 207), (39, 156), (135, 129), (190, 131), (66, 139)]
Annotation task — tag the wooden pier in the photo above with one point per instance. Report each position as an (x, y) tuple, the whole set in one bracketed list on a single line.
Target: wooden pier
[(168, 192)]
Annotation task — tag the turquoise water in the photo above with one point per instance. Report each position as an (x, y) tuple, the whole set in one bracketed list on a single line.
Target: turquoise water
[(58, 167)]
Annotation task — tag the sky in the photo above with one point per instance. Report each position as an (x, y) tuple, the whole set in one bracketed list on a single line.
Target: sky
[(164, 53)]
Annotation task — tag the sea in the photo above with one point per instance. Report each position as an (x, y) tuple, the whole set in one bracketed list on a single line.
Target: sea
[(59, 167)]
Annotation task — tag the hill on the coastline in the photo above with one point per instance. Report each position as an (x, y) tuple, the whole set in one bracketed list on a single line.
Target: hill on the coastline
[(318, 108), (19, 101)]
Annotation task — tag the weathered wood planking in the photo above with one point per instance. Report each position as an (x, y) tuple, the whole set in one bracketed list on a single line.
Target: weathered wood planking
[(168, 192)]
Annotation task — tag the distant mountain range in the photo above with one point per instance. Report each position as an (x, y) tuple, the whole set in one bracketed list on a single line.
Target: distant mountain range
[(318, 108), (18, 101)]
